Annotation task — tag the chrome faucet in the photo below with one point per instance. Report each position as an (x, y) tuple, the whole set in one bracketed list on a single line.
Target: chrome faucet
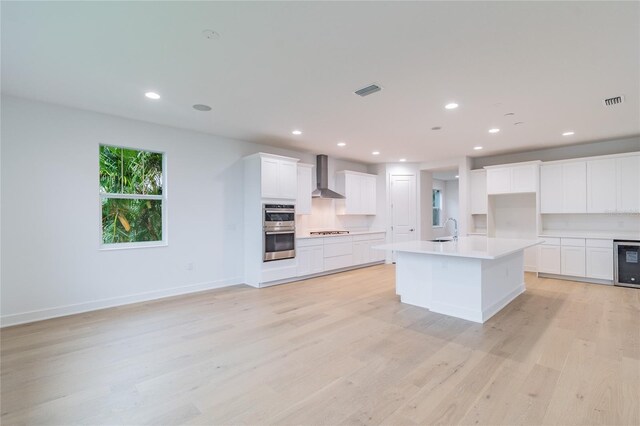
[(455, 227)]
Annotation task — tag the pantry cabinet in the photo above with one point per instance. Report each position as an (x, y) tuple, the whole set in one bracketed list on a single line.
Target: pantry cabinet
[(359, 190)]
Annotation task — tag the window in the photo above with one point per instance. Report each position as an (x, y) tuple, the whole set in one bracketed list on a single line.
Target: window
[(132, 197), (437, 207)]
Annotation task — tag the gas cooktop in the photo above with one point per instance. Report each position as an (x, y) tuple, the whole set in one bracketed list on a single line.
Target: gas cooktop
[(328, 232)]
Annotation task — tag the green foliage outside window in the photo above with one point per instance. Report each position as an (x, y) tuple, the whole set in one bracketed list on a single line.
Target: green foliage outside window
[(136, 174)]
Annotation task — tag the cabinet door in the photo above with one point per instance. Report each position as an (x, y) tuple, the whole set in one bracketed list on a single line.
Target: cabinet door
[(600, 263), (303, 259), (524, 178), (303, 200), (317, 259), (269, 178), (353, 194), (628, 184), (376, 255), (551, 188), (601, 186), (369, 194), (358, 252), (478, 192), (499, 181), (573, 261), (549, 259), (287, 179), (574, 187)]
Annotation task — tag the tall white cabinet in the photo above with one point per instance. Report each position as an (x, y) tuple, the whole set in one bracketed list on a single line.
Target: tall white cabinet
[(563, 187)]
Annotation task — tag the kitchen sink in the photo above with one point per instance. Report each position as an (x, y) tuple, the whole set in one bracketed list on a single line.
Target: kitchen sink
[(441, 240)]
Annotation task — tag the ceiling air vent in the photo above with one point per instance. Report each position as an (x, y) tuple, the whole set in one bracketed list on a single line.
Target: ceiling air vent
[(365, 91), (613, 101)]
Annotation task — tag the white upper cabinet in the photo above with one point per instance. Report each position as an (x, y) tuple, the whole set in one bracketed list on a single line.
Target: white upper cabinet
[(305, 187), (478, 179), (563, 188), (628, 184), (601, 186), (512, 179), (359, 190), (279, 177)]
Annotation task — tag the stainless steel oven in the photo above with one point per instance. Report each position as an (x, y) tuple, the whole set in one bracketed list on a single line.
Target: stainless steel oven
[(626, 263), (279, 231)]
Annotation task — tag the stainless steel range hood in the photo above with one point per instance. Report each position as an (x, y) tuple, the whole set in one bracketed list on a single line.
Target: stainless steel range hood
[(322, 178)]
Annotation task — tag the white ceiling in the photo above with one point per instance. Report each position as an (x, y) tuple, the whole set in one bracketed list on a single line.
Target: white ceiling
[(289, 65)]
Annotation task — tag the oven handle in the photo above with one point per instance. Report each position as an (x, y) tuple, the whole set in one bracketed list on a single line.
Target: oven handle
[(280, 211), (279, 232)]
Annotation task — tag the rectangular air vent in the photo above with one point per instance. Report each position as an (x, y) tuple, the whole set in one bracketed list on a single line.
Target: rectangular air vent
[(365, 91), (613, 101)]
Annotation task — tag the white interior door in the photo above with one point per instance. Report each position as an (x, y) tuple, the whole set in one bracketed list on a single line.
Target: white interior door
[(403, 208)]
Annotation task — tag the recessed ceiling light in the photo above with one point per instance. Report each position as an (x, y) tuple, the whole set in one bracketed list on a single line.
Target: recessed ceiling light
[(341, 144), (494, 130), (568, 133), (202, 107), (477, 148), (457, 176), (402, 160), (376, 153), (452, 105), (152, 95), (296, 132)]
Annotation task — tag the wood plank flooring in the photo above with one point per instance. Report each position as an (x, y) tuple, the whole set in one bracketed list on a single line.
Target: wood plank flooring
[(339, 349)]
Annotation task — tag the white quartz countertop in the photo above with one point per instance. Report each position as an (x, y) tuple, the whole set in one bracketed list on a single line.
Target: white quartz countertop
[(306, 234), (471, 247), (604, 235)]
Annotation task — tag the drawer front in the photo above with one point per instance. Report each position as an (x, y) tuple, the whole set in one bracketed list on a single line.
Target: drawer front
[(598, 243), (340, 239), (337, 262), (338, 249), (550, 241), (309, 242), (369, 237), (572, 242)]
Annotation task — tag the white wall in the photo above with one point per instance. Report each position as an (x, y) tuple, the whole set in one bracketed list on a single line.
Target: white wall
[(50, 218), (452, 200)]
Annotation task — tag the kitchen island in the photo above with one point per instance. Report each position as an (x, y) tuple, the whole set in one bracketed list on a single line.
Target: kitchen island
[(472, 278)]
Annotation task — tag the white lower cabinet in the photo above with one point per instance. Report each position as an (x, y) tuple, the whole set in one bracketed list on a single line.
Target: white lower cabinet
[(549, 259), (324, 254), (573, 261), (310, 260), (577, 257)]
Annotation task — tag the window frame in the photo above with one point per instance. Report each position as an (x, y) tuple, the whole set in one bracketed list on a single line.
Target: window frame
[(110, 195)]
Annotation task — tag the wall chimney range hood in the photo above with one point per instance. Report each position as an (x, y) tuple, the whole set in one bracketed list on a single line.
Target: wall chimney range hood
[(322, 178)]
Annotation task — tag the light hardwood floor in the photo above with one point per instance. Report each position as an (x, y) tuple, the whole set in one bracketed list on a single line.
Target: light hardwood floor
[(332, 350)]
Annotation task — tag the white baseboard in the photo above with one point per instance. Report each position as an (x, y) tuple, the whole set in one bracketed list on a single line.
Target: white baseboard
[(497, 307), (61, 311)]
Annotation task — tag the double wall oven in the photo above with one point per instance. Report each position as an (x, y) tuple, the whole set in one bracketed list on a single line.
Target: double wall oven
[(279, 228)]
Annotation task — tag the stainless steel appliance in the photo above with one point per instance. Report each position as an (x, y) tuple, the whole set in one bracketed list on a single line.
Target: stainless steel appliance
[(279, 227), (626, 263), (328, 232), (322, 180)]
